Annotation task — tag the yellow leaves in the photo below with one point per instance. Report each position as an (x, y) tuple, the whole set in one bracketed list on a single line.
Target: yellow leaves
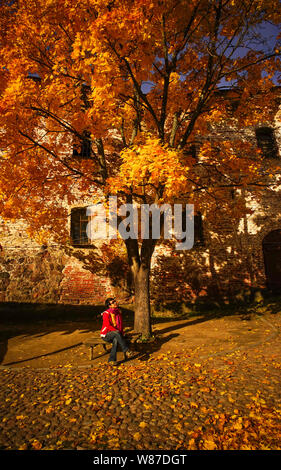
[(112, 49), (151, 164), (193, 404), (142, 424), (230, 399), (23, 447), (21, 417), (209, 444), (147, 406), (49, 409), (15, 87), (171, 422), (192, 444), (36, 445), (178, 427), (225, 432), (99, 431), (238, 425)]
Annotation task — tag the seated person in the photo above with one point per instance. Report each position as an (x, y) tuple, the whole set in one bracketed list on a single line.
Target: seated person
[(112, 329)]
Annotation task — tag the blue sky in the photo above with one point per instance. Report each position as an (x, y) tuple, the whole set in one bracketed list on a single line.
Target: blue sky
[(269, 33)]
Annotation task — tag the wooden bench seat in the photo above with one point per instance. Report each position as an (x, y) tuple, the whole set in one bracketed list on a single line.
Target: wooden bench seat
[(94, 341)]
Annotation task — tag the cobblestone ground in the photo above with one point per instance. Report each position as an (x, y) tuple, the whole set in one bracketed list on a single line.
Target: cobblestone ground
[(172, 400)]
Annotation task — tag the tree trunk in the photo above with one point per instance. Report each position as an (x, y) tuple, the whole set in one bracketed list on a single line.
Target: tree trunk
[(139, 258), (139, 262), (142, 323)]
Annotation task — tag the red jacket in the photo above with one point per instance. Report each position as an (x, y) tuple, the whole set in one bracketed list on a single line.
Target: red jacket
[(107, 322)]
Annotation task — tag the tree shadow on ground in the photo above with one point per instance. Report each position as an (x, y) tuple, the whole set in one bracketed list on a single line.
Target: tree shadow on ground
[(144, 350), (44, 355), (39, 320)]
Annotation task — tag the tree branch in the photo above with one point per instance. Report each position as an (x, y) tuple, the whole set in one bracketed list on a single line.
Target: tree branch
[(74, 171), (136, 85)]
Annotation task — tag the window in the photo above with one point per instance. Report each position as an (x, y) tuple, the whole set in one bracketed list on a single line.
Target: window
[(85, 90), (78, 225), (232, 106), (198, 228), (193, 149), (84, 149), (266, 142)]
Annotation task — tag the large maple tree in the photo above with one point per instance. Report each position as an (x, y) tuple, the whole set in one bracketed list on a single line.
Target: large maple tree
[(139, 81)]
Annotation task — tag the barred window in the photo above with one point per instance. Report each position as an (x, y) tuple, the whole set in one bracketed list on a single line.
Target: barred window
[(266, 142), (78, 225), (193, 149)]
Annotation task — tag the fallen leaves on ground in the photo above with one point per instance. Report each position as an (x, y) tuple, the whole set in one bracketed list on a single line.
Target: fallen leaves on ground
[(166, 402)]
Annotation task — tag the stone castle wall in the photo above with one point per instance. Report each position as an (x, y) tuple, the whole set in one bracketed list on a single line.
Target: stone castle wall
[(31, 273), (228, 264)]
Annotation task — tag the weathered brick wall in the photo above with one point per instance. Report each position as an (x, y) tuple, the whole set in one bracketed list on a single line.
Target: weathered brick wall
[(31, 273), (229, 263), (80, 286), (228, 266), (44, 278)]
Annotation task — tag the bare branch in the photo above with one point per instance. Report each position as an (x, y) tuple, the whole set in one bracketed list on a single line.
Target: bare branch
[(74, 171)]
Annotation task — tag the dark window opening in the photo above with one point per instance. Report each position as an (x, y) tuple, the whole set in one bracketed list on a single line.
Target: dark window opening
[(232, 106), (84, 149), (192, 150), (198, 228), (85, 90), (78, 225), (266, 142)]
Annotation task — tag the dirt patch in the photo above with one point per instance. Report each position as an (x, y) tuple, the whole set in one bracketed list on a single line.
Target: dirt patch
[(44, 345)]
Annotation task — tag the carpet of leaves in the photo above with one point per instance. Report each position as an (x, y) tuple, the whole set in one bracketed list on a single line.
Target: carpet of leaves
[(170, 401)]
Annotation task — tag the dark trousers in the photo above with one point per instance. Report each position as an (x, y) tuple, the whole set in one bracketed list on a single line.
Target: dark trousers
[(115, 338)]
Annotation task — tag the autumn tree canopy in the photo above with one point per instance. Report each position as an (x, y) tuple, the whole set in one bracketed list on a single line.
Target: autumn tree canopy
[(137, 82)]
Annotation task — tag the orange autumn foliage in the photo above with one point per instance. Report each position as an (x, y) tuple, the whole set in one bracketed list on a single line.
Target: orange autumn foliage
[(141, 78)]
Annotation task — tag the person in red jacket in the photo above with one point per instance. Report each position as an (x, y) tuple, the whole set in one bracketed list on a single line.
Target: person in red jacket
[(112, 330)]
